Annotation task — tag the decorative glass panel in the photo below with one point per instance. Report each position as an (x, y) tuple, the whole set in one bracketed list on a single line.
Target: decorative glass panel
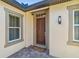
[(76, 32), (76, 17)]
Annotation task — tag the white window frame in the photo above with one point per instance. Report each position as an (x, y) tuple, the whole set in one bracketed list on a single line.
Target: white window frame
[(20, 39), (14, 27), (74, 25)]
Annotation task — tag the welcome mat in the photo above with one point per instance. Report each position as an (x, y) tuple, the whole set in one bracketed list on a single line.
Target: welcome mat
[(38, 48)]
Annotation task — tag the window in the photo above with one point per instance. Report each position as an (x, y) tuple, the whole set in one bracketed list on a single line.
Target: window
[(14, 28), (76, 25), (73, 26)]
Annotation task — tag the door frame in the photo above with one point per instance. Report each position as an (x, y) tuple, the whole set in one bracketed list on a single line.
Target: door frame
[(46, 24)]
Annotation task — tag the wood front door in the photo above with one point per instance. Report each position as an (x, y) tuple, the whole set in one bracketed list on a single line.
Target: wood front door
[(40, 31)]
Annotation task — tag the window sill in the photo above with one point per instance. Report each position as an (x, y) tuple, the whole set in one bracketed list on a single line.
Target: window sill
[(75, 43), (13, 43)]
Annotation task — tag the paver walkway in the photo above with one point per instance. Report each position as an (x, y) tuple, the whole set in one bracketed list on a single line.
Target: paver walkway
[(30, 53)]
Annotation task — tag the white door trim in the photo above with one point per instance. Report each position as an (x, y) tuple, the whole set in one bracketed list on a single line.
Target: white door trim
[(34, 28)]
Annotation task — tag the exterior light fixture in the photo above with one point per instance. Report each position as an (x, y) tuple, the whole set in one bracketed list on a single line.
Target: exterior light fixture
[(59, 20)]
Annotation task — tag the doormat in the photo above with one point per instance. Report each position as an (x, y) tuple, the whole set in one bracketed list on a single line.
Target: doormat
[(38, 49)]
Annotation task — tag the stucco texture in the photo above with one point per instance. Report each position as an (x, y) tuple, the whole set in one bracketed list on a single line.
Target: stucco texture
[(59, 32)]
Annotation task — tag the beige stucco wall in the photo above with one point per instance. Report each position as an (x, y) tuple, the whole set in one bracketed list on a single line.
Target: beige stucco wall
[(5, 52), (29, 29), (59, 33)]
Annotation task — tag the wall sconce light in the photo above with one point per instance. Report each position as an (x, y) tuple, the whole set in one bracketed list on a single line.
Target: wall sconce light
[(59, 20)]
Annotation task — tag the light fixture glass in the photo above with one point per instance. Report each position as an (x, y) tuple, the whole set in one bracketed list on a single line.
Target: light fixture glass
[(59, 19)]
